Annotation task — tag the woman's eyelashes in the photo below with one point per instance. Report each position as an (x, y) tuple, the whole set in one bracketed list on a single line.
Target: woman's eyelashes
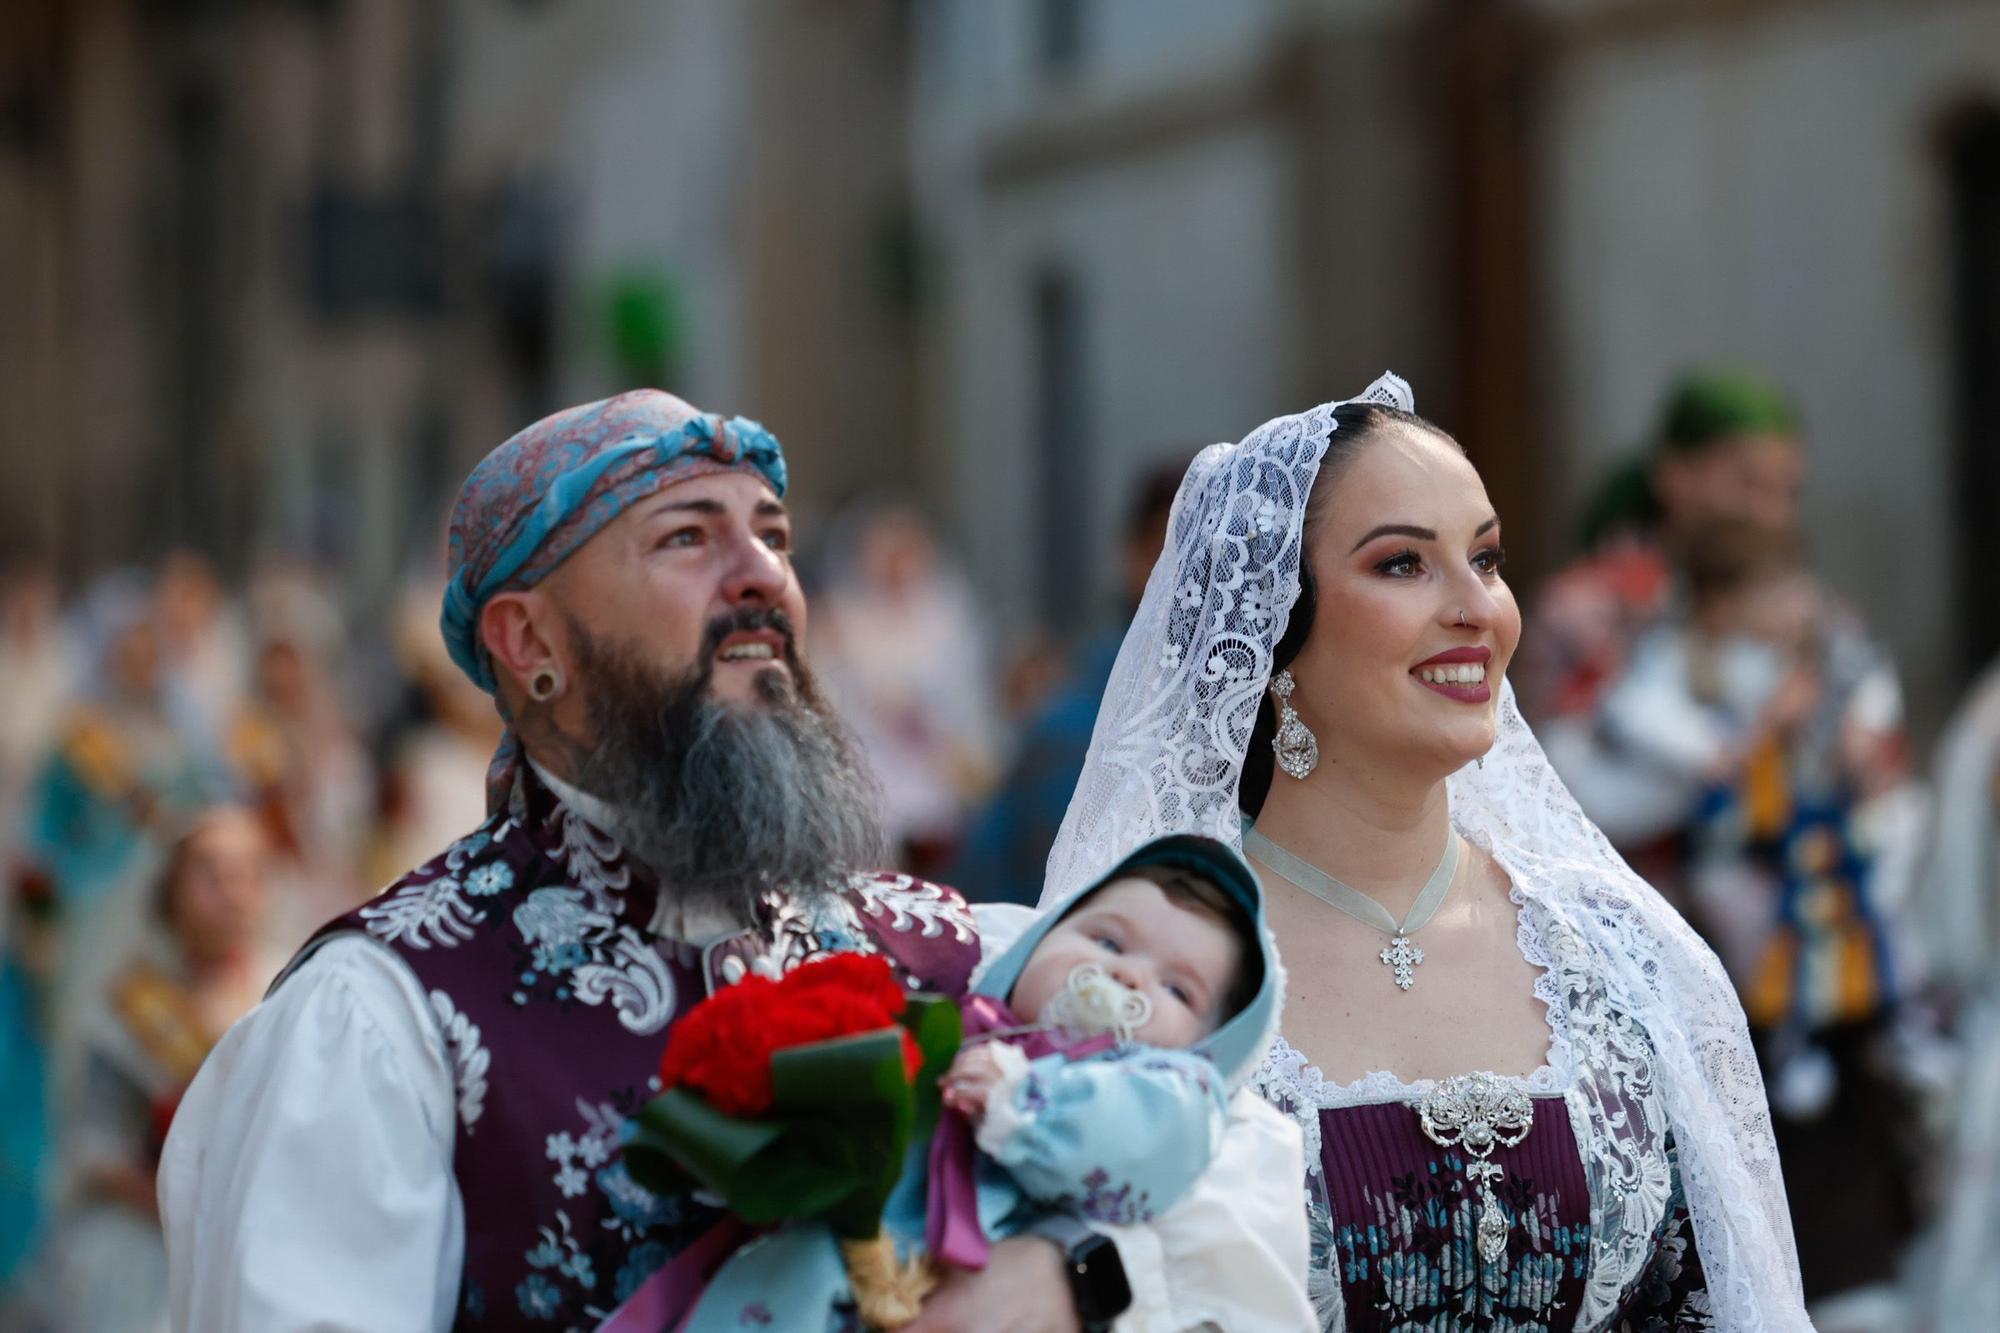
[(1408, 564), (1402, 565)]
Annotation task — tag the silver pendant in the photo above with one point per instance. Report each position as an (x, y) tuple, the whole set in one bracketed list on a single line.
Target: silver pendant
[(1493, 1223), (1403, 956)]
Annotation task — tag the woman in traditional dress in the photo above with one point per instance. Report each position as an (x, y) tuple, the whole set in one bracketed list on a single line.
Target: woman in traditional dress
[(160, 1015), (1527, 1091)]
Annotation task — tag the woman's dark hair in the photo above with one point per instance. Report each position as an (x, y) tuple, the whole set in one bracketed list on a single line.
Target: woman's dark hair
[(1355, 425)]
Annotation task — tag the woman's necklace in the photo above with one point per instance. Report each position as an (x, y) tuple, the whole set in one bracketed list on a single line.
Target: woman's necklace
[(1402, 954)]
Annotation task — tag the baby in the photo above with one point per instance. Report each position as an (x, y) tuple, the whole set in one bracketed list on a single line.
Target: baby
[(1152, 961), (1101, 1076)]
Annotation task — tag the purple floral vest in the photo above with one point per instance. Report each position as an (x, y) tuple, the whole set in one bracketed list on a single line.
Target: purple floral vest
[(531, 937)]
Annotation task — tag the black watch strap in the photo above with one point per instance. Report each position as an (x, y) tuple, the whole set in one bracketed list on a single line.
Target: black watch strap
[(1097, 1281)]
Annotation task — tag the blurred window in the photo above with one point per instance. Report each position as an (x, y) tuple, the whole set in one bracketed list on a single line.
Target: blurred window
[(1973, 148), (1062, 433), (374, 255)]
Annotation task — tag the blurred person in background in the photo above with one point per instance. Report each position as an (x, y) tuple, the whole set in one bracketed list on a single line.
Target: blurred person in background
[(904, 654), (38, 662), (1739, 736), (298, 761), (1006, 850), (204, 965), (1772, 729), (122, 772), (1959, 1285), (1773, 747), (438, 747), (1727, 447), (204, 651), (88, 836)]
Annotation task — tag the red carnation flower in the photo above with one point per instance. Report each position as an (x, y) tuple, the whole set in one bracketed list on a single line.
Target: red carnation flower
[(723, 1047)]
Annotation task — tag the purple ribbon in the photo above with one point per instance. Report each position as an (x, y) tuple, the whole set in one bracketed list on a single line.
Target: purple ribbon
[(952, 1232), (664, 1300)]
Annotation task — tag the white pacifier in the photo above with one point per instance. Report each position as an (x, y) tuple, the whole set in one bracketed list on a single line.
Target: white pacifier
[(1093, 1001)]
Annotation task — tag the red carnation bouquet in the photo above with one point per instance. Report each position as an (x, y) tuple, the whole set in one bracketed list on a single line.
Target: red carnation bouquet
[(798, 1099)]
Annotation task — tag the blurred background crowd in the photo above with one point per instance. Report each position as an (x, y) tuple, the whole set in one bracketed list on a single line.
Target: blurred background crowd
[(1710, 293)]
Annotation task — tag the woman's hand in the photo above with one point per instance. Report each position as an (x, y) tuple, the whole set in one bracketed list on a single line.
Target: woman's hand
[(1022, 1289)]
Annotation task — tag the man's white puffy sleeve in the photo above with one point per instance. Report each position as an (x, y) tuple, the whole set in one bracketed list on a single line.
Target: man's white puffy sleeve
[(307, 1182), (1233, 1251)]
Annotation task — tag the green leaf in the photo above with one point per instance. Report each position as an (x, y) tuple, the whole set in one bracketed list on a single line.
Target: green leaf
[(709, 1147), (855, 1091), (939, 1029)]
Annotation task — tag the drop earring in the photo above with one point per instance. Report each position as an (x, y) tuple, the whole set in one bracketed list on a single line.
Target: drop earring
[(1295, 745)]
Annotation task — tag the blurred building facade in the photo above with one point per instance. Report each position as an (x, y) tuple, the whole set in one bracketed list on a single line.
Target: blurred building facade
[(280, 271), (1158, 224)]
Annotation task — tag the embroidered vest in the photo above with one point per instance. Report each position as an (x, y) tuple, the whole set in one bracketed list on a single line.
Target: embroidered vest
[(531, 939)]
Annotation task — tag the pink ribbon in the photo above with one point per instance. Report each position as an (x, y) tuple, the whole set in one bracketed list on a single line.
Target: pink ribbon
[(952, 1232)]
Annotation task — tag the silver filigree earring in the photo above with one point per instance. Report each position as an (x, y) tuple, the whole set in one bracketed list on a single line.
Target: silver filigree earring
[(1295, 745)]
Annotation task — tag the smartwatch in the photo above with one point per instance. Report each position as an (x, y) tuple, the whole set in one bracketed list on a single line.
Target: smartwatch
[(1096, 1274)]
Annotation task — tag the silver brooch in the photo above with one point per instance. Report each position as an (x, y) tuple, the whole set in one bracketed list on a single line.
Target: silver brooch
[(1480, 1112)]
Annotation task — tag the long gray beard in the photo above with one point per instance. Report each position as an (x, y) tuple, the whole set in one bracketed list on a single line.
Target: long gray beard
[(723, 802)]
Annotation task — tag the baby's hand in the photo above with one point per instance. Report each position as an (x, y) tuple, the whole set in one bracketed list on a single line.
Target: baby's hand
[(970, 1081)]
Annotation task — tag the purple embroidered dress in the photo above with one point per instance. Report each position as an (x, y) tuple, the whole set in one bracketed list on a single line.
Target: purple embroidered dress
[(533, 939), (1596, 1230)]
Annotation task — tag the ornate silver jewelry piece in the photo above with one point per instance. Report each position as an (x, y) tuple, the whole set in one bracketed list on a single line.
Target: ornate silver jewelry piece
[(1402, 954), (1478, 1113), (1296, 747)]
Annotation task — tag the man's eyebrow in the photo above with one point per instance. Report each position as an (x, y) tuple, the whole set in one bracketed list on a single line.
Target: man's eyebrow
[(696, 506), (1396, 530), (704, 505)]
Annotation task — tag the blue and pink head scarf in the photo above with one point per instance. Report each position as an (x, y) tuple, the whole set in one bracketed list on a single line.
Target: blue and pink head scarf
[(548, 490)]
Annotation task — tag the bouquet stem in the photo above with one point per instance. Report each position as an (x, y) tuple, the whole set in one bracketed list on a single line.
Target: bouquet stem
[(888, 1290)]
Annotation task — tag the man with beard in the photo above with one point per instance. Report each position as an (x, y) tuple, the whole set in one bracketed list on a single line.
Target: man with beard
[(421, 1126)]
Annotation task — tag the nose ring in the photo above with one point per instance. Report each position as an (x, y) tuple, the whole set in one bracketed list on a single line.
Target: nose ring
[(1461, 616)]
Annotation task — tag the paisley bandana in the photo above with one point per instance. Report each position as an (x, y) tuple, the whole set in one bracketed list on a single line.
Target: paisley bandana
[(548, 490)]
